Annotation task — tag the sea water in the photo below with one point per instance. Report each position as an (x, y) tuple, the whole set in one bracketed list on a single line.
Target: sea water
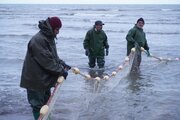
[(153, 94)]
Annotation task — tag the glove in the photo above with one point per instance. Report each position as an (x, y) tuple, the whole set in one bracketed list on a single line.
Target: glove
[(107, 52), (87, 52), (65, 74), (67, 67), (148, 53)]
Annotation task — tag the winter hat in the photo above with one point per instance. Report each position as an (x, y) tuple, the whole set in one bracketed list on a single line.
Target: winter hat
[(140, 19), (55, 22)]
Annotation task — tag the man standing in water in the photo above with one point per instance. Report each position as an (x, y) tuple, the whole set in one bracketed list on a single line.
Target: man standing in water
[(136, 38), (95, 43), (42, 66)]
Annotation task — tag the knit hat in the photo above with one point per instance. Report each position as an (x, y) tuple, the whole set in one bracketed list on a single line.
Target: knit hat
[(55, 22), (140, 19)]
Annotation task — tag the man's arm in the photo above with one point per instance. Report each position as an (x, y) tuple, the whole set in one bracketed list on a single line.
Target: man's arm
[(45, 58), (130, 36), (106, 42), (86, 40)]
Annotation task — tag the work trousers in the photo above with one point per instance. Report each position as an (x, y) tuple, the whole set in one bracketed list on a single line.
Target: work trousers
[(37, 100), (99, 59)]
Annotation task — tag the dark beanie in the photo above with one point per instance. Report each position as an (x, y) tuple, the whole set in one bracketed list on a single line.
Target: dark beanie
[(55, 22), (140, 19)]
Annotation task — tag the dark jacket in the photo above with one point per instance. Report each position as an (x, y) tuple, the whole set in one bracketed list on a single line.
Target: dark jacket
[(136, 35), (42, 65), (96, 42)]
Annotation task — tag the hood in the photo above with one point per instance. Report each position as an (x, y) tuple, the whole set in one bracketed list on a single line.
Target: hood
[(46, 29)]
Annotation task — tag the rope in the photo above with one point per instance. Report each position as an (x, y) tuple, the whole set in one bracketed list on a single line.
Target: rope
[(160, 58), (45, 110), (125, 63), (75, 70)]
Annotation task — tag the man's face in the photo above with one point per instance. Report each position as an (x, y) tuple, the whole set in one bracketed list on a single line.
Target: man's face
[(56, 31), (99, 27), (140, 24)]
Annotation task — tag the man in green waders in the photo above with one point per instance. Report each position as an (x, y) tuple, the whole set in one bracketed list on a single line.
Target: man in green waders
[(95, 43), (42, 66), (136, 38)]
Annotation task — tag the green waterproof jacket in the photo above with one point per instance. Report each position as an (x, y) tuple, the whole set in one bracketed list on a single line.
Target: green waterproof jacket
[(42, 65), (136, 35), (96, 42)]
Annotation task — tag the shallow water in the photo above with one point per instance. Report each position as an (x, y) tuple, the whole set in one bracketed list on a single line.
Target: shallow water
[(153, 94)]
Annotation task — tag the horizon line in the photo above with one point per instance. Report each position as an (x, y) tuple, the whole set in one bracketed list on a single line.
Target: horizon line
[(100, 3)]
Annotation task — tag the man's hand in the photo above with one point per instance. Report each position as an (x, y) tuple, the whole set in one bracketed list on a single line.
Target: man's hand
[(87, 52), (65, 74), (148, 53), (107, 52), (67, 67)]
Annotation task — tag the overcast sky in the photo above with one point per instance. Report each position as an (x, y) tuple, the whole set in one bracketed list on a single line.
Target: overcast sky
[(91, 1)]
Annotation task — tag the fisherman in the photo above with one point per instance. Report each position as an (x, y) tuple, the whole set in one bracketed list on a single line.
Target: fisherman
[(42, 66), (95, 43), (137, 35), (136, 38)]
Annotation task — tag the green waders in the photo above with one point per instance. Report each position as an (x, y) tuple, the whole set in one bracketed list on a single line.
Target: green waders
[(37, 100), (100, 61)]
